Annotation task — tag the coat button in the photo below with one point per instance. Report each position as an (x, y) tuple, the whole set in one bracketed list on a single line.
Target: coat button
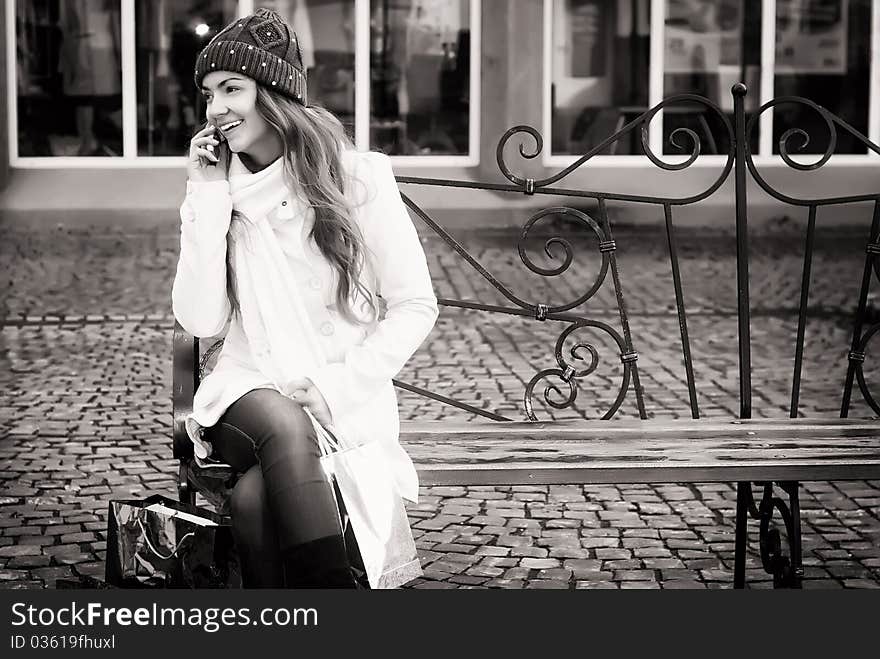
[(327, 329), (315, 283)]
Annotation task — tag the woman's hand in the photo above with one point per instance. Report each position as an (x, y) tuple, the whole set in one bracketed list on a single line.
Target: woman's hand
[(304, 392), (208, 157)]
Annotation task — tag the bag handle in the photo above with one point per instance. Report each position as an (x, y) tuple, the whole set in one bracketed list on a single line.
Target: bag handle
[(156, 551), (327, 443)]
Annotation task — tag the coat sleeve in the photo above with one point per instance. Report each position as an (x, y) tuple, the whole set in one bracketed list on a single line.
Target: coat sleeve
[(403, 281), (198, 296)]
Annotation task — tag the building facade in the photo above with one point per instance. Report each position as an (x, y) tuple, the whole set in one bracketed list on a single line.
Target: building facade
[(99, 101)]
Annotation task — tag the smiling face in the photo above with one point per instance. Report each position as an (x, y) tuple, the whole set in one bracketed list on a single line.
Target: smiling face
[(231, 106)]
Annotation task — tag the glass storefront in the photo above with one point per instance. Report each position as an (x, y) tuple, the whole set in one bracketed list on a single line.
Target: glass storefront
[(168, 36), (171, 32), (69, 99), (69, 71), (709, 46), (600, 56), (326, 32), (602, 70), (420, 76), (823, 53), (68, 77)]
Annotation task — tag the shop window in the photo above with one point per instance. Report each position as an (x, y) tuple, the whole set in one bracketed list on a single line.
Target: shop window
[(69, 72), (600, 55), (823, 54), (68, 77), (420, 57), (709, 46), (326, 33), (169, 35)]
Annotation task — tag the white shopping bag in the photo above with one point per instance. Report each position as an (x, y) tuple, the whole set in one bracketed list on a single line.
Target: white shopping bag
[(374, 507)]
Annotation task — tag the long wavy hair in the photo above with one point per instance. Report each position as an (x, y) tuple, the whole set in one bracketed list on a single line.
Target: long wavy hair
[(313, 140)]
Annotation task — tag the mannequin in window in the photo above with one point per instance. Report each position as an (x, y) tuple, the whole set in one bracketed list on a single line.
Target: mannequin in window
[(90, 64)]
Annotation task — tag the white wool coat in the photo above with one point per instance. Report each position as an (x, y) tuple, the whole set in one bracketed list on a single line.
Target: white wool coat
[(361, 360)]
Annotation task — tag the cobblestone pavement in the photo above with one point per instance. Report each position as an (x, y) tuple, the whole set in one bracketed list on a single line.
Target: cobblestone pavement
[(85, 411)]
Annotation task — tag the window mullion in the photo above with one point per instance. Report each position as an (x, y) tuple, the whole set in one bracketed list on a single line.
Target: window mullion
[(11, 83), (874, 83), (474, 98), (768, 75), (547, 79), (656, 64), (129, 82), (362, 74)]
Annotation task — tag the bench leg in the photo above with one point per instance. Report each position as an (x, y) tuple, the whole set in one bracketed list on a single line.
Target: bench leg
[(794, 538), (743, 498), (787, 571)]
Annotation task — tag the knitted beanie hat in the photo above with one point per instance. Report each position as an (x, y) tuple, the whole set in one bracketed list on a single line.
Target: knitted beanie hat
[(261, 46)]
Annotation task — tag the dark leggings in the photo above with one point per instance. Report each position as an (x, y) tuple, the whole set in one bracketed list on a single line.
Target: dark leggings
[(283, 499)]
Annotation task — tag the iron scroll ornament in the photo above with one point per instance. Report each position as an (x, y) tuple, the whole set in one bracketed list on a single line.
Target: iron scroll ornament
[(568, 374), (788, 147), (581, 218), (680, 139), (677, 139), (797, 139), (532, 308), (786, 569), (858, 358), (540, 311)]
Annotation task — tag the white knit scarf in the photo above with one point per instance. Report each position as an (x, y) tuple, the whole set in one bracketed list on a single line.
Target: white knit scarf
[(273, 313)]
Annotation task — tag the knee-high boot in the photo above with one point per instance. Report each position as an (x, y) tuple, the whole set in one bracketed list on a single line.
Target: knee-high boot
[(329, 562), (321, 563)]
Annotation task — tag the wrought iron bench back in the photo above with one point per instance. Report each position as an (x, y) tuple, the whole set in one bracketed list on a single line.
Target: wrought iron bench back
[(582, 359)]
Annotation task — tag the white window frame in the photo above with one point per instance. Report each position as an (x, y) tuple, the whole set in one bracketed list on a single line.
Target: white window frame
[(765, 156), (131, 160)]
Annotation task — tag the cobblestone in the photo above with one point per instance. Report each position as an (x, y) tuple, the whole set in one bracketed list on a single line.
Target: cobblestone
[(85, 408)]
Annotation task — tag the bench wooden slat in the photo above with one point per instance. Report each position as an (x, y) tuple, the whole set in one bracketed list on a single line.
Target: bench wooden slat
[(506, 453)]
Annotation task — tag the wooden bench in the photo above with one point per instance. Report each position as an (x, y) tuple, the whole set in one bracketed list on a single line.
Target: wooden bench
[(774, 454)]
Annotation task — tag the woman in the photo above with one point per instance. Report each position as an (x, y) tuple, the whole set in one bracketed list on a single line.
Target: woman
[(288, 237)]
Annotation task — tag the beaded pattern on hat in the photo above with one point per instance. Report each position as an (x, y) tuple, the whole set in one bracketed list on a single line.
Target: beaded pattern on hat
[(246, 46)]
